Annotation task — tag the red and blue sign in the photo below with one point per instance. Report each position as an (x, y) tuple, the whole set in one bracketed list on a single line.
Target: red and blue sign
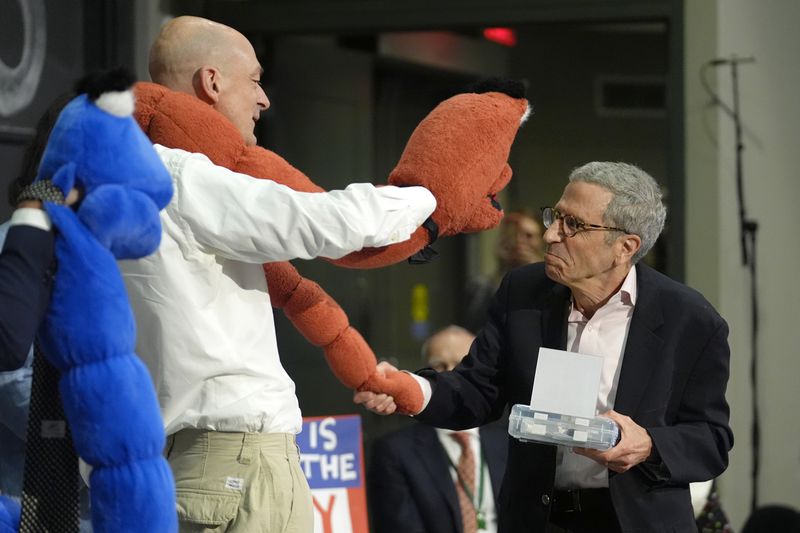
[(332, 459)]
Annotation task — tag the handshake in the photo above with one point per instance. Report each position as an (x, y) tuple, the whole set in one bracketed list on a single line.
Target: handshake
[(389, 391)]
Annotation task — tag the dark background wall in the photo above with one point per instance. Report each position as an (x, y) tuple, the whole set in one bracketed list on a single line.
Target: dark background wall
[(45, 46)]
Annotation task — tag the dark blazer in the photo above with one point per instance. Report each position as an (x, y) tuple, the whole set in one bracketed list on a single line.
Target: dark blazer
[(25, 280), (672, 382), (410, 487)]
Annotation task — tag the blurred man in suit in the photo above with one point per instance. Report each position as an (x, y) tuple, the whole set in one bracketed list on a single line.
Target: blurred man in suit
[(420, 479), (521, 243)]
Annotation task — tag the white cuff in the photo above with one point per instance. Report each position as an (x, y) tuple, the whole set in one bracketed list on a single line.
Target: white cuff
[(425, 385), (31, 216)]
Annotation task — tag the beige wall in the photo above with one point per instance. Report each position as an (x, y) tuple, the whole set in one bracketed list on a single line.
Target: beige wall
[(769, 89)]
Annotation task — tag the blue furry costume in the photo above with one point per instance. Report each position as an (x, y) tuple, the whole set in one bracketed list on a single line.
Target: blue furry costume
[(88, 333)]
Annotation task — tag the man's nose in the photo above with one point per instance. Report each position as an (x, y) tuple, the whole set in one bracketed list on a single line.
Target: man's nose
[(263, 101), (553, 233)]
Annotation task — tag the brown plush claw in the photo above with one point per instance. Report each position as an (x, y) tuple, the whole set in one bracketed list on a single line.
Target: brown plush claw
[(401, 386)]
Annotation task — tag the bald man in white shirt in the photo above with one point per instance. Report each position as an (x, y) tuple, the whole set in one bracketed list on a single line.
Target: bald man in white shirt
[(204, 317)]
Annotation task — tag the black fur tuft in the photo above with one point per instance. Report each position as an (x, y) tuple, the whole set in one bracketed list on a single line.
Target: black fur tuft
[(97, 83), (513, 88)]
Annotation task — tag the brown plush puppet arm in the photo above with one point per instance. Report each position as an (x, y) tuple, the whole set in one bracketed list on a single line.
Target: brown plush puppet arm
[(444, 147), (459, 152), (323, 323)]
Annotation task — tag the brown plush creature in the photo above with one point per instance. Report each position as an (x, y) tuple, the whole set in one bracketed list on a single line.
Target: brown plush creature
[(459, 152)]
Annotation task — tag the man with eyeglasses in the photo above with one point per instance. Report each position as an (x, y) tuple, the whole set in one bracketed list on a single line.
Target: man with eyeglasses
[(665, 369)]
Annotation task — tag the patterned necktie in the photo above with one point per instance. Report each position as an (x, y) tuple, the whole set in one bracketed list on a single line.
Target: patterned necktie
[(50, 487), (465, 484)]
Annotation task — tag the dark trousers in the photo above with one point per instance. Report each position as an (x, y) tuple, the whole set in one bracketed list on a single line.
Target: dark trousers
[(583, 511)]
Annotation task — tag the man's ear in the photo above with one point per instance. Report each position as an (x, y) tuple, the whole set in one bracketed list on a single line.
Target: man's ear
[(628, 244), (207, 84)]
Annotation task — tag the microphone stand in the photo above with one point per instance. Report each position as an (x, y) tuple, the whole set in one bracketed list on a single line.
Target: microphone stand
[(747, 227), (747, 236)]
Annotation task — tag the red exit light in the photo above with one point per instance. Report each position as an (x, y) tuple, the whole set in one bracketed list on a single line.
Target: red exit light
[(504, 36)]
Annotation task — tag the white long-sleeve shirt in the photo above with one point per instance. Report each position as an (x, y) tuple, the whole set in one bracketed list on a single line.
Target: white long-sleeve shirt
[(203, 313)]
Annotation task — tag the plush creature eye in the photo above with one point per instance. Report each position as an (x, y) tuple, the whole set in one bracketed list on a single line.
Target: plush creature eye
[(527, 114), (119, 103)]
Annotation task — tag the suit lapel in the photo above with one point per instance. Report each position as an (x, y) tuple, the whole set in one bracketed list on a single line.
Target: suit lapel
[(643, 345), (434, 460), (535, 320), (554, 318)]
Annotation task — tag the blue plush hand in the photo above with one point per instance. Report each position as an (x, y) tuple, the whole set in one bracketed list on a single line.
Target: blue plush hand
[(88, 294), (64, 178), (122, 219)]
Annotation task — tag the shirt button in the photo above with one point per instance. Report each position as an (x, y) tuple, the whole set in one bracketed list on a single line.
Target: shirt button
[(545, 499)]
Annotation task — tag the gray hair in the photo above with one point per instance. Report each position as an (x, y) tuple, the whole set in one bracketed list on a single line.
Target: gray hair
[(636, 204)]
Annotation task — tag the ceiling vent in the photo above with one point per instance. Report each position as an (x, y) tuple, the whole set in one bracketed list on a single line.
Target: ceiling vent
[(631, 96)]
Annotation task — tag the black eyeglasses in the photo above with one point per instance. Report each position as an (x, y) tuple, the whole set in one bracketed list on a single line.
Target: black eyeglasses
[(571, 224)]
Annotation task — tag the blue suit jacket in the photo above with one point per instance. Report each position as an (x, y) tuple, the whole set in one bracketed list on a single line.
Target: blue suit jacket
[(672, 382), (25, 281), (410, 487)]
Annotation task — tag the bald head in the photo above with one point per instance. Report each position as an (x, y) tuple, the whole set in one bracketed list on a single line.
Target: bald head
[(215, 63), (446, 348), (184, 46)]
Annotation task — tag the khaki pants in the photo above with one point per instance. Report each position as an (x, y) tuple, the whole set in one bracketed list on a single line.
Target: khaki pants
[(239, 482)]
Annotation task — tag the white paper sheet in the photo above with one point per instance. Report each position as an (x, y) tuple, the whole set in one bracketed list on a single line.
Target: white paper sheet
[(566, 383)]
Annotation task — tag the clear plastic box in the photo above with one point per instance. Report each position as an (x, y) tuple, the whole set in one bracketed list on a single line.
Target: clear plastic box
[(526, 424)]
